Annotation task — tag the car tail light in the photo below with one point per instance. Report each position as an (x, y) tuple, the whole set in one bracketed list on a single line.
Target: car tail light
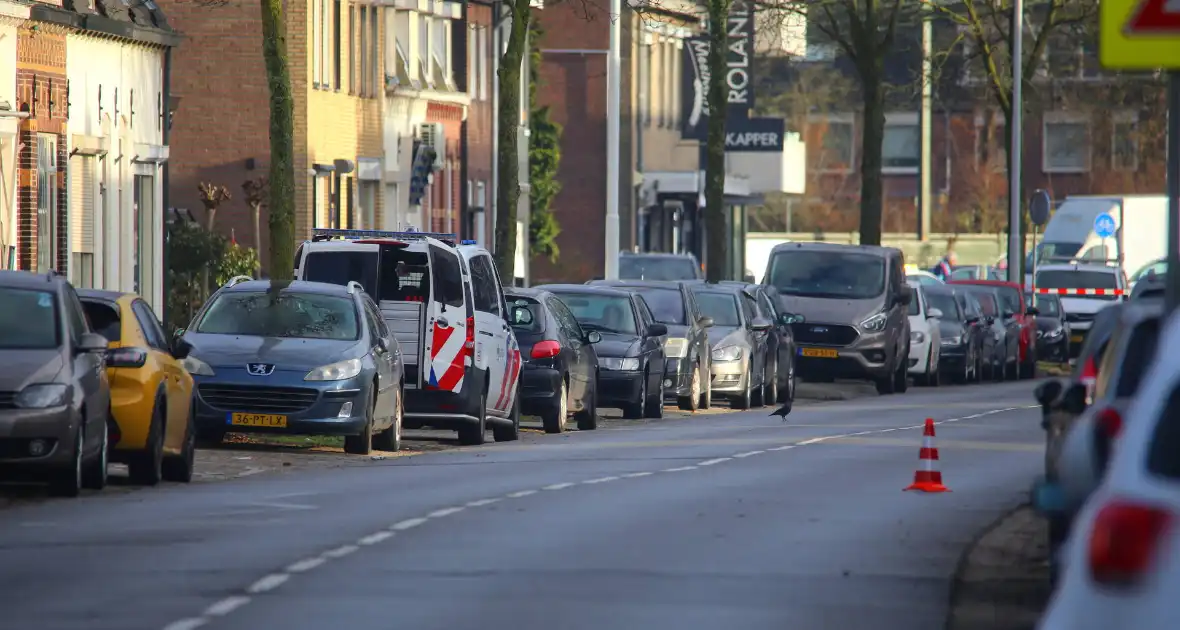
[(545, 350), (126, 357), (469, 345), (1089, 376), (1124, 541), (1110, 422)]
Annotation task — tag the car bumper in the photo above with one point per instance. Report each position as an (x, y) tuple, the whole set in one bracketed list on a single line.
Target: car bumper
[(729, 377), (56, 429), (919, 357), (539, 387), (619, 387), (677, 377), (867, 358), (328, 408), (1054, 349), (951, 357)]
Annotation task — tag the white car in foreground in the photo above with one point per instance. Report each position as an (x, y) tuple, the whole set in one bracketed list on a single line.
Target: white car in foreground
[(924, 278), (1122, 560), (925, 339)]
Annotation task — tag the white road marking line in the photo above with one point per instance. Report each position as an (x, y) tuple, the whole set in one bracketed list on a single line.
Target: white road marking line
[(483, 502), (306, 564), (446, 511), (600, 480), (375, 538), (636, 475), (186, 624), (340, 552), (558, 486), (680, 469), (749, 454), (268, 583), (521, 493), (407, 524), (711, 462), (285, 506), (783, 448), (226, 606)]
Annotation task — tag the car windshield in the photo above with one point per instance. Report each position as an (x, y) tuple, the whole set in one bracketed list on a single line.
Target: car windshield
[(1048, 306), (28, 320), (667, 305), (1078, 279), (722, 307), (282, 314), (340, 267), (1010, 299), (944, 302), (606, 313), (1141, 349), (518, 306), (987, 301), (914, 306), (828, 274), (657, 268)]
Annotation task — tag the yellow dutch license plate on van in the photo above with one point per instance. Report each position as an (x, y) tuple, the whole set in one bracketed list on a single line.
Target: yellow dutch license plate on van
[(819, 353), (258, 420), (1076, 339)]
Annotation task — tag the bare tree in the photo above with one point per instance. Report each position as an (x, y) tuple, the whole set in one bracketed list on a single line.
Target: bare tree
[(257, 191), (212, 196)]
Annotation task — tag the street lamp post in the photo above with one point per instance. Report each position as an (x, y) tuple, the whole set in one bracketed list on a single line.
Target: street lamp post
[(613, 131), (1015, 259)]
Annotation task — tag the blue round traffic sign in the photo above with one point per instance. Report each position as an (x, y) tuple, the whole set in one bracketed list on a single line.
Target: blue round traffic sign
[(1104, 225)]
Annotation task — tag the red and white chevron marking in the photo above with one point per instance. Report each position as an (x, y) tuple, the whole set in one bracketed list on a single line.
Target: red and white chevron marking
[(1044, 291), (447, 357), (511, 374)]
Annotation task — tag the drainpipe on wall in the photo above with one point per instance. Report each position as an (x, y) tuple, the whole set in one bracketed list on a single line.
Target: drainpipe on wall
[(495, 183), (166, 98)]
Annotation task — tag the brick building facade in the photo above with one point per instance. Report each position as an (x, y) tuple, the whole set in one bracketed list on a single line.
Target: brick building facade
[(476, 140)]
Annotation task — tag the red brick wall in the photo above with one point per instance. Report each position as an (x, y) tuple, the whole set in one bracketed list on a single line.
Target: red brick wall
[(479, 117), (451, 116), (41, 91)]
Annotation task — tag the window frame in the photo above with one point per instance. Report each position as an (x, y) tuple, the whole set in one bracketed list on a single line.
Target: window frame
[(1125, 119), (1060, 119), (902, 120), (151, 327), (829, 121)]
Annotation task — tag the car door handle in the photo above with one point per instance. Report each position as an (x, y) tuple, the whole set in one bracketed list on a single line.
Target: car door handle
[(442, 321), (486, 333)]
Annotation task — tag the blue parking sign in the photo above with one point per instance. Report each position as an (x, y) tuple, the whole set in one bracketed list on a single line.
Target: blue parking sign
[(1104, 225)]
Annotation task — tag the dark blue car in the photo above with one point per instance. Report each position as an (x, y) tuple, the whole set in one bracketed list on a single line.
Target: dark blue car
[(296, 358)]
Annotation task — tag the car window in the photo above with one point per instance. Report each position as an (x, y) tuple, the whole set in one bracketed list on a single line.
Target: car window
[(944, 303), (915, 307), (1165, 440), (371, 324), (382, 330), (566, 319), (340, 267), (1048, 306), (1010, 299), (534, 307), (298, 255), (1140, 354), (722, 307), (657, 268), (607, 313), (987, 303), (448, 276), (645, 316), (827, 274), (77, 317), (404, 276), (29, 320), (149, 325), (666, 305), (483, 285), (766, 306), (104, 319), (283, 314)]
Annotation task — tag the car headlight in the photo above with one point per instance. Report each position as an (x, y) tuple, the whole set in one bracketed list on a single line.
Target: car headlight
[(629, 364), (917, 337), (1055, 333), (675, 348), (41, 396), (728, 353), (876, 323), (953, 340), (335, 371), (196, 366)]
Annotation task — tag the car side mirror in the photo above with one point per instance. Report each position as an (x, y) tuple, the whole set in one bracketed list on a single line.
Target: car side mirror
[(990, 320), (1046, 393), (182, 348), (905, 296), (593, 337), (1074, 399), (656, 330), (760, 324), (934, 313), (705, 321), (92, 342), (521, 316), (383, 344), (1032, 311), (790, 318)]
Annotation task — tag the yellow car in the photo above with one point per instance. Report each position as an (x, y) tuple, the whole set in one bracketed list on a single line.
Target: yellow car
[(151, 426)]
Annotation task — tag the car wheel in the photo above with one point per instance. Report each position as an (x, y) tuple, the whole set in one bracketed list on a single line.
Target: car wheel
[(554, 418), (146, 468), (887, 385), (94, 473), (634, 410), (707, 395), (654, 406), (902, 377), (757, 394), (511, 433), (588, 417), (770, 388), (180, 469), (68, 482), (693, 400), (391, 439), (786, 393), (933, 371), (744, 399), (1028, 369), (362, 444), (476, 434)]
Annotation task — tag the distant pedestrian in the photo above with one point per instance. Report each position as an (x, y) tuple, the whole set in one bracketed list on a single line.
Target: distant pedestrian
[(945, 265)]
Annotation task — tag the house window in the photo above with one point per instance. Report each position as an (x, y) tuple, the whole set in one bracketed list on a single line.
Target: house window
[(316, 27), (901, 148), (375, 80), (1066, 146), (424, 50), (991, 146), (363, 87), (1124, 144), (838, 145), (439, 57), (337, 45), (482, 44), (46, 202), (145, 242), (645, 74), (352, 55), (367, 203), (325, 79), (677, 68), (669, 81), (472, 70)]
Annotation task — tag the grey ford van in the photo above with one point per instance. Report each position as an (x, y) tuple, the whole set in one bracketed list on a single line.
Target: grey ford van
[(852, 301)]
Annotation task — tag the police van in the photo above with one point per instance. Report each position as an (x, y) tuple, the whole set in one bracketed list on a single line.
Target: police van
[(444, 304)]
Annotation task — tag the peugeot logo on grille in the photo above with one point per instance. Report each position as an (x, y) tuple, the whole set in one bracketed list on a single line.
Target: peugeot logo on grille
[(819, 329), (260, 369)]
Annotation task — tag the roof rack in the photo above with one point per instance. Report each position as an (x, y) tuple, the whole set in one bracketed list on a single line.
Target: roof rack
[(236, 280), (325, 234), (354, 287)]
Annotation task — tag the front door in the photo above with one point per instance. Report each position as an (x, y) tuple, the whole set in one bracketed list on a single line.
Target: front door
[(46, 202), (491, 336)]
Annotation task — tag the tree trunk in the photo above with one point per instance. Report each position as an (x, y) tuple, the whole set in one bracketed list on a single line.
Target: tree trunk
[(282, 145), (872, 139), (210, 215), (257, 208), (715, 232), (508, 160)]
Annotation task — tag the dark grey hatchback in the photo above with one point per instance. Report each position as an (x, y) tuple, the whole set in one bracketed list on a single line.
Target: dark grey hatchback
[(296, 357), (54, 395)]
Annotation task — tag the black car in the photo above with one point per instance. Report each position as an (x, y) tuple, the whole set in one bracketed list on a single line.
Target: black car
[(688, 364), (659, 266), (780, 343), (1004, 358), (1052, 331), (559, 369), (631, 354), (961, 351)]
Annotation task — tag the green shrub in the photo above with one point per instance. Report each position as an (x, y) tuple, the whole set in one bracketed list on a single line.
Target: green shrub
[(199, 261)]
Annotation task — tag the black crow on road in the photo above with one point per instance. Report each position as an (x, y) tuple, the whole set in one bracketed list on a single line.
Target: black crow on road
[(783, 411)]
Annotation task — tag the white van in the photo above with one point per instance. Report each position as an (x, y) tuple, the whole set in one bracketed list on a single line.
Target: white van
[(459, 363)]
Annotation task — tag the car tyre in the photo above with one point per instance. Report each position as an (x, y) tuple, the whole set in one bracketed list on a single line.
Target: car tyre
[(887, 385), (707, 387), (510, 433), (588, 417), (786, 393), (692, 401), (391, 439), (770, 387), (180, 468), (654, 406), (902, 377), (94, 473), (68, 482), (634, 411), (745, 399), (1028, 369), (933, 371), (476, 434), (146, 468), (554, 418), (362, 444)]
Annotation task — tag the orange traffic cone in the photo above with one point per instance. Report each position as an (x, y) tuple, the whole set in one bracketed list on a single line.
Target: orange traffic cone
[(926, 478)]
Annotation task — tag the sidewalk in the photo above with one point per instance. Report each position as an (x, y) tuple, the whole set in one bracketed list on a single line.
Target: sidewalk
[(1003, 582)]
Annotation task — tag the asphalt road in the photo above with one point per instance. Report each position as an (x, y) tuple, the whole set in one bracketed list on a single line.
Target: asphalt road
[(737, 521)]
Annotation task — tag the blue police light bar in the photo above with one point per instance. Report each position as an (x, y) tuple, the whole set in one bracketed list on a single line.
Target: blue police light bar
[(468, 241), (326, 233)]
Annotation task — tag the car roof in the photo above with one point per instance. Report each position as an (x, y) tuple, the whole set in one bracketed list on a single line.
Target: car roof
[(992, 283), (1078, 267), (719, 287), (30, 280), (876, 250), (939, 290), (530, 292), (654, 284), (300, 286), (587, 289), (102, 294), (657, 255)]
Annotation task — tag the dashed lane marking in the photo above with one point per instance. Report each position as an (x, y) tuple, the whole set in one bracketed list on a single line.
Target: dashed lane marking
[(268, 583), (226, 606), (969, 445), (407, 524)]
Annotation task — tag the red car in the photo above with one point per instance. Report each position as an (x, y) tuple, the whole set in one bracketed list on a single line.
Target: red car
[(1012, 295)]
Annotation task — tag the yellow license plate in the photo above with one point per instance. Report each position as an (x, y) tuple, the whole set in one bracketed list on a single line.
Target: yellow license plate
[(821, 353), (258, 420), (1076, 339)]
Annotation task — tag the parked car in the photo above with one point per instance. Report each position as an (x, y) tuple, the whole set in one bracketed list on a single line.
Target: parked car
[(296, 358), (975, 272), (659, 266), (1093, 426), (959, 345), (922, 278), (852, 302), (1005, 355), (1149, 285), (151, 426), (1052, 329), (54, 393), (738, 355), (780, 339), (1011, 296), (686, 373), (1122, 559), (1084, 289), (1156, 267), (559, 373), (925, 337), (443, 301), (631, 354)]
